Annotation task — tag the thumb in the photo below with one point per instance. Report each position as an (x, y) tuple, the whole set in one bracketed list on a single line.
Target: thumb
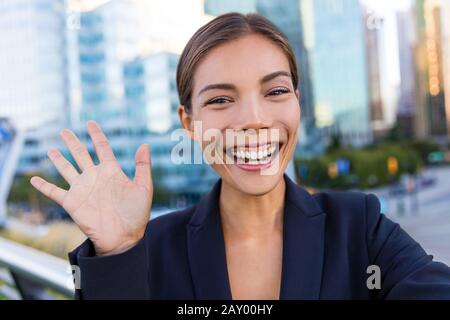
[(143, 176)]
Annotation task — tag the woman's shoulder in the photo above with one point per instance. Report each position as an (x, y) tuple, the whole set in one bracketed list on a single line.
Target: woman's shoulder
[(345, 199), (349, 206)]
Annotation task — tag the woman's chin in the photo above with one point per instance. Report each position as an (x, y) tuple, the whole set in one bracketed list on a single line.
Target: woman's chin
[(253, 181)]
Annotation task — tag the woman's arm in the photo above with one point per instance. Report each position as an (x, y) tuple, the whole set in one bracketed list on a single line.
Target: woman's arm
[(407, 272), (122, 276)]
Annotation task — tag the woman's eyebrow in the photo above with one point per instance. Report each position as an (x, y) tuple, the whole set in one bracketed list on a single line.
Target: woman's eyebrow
[(275, 74), (225, 86), (229, 86)]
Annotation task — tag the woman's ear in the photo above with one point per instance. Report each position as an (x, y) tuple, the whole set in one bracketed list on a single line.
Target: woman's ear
[(186, 120)]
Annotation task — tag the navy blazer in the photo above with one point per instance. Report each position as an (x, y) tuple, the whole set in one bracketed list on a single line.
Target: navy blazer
[(329, 241)]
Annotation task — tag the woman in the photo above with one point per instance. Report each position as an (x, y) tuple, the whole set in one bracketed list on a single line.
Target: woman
[(256, 235)]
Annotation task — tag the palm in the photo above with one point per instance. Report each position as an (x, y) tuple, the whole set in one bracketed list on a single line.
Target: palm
[(105, 202), (109, 208)]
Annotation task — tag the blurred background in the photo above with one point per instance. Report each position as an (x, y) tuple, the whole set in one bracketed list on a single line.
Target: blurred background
[(375, 98)]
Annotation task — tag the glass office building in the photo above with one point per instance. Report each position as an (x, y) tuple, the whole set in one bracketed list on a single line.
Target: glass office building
[(33, 75), (105, 41), (133, 97), (150, 91), (335, 40), (432, 116), (445, 12), (407, 104), (32, 61)]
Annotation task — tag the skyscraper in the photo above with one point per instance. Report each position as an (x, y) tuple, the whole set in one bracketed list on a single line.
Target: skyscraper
[(150, 91), (133, 97), (446, 54), (33, 75), (106, 40), (373, 44), (335, 40), (407, 104), (431, 116), (32, 61)]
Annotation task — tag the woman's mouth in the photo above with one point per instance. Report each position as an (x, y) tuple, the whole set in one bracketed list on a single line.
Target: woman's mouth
[(256, 157)]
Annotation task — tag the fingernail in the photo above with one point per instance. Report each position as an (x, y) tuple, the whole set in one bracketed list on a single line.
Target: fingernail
[(51, 153), (33, 180)]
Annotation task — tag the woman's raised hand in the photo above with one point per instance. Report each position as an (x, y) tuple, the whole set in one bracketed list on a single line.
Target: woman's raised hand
[(110, 209)]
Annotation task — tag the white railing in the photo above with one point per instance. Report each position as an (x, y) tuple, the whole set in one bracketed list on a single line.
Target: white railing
[(27, 273)]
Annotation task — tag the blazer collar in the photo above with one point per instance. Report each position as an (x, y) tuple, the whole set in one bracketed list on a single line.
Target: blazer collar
[(303, 246)]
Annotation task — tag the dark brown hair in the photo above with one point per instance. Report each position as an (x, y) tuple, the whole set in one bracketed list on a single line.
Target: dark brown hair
[(224, 28)]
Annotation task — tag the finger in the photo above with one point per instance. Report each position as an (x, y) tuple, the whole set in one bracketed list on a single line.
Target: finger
[(49, 190), (77, 149), (101, 144), (143, 176), (63, 166)]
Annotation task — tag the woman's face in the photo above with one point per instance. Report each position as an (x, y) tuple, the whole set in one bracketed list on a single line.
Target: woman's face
[(244, 99)]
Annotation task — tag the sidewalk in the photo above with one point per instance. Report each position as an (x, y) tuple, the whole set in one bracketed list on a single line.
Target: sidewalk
[(429, 222)]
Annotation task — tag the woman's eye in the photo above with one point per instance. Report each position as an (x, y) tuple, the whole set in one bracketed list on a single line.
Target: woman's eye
[(277, 92), (217, 101)]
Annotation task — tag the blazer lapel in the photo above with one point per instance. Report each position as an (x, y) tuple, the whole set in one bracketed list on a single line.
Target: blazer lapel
[(303, 245), (206, 249)]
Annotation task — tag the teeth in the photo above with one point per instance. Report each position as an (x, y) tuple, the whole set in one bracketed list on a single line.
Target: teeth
[(259, 155)]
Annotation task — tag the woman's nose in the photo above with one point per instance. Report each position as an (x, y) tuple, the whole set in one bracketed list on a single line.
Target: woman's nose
[(253, 116)]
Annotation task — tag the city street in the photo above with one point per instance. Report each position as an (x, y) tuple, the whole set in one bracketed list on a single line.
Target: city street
[(428, 221)]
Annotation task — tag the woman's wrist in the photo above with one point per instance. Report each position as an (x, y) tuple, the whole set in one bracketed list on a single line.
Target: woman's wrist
[(124, 247)]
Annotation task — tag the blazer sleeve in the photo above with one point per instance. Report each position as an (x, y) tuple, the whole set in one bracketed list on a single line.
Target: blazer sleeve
[(407, 271), (121, 276)]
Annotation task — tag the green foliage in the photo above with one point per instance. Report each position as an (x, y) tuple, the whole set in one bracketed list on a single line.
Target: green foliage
[(335, 143), (368, 166), (23, 191), (423, 148)]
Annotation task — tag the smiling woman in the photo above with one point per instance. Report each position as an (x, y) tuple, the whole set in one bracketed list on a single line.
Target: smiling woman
[(256, 235)]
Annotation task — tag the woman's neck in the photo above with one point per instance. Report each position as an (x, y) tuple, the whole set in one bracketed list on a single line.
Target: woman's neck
[(247, 215)]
